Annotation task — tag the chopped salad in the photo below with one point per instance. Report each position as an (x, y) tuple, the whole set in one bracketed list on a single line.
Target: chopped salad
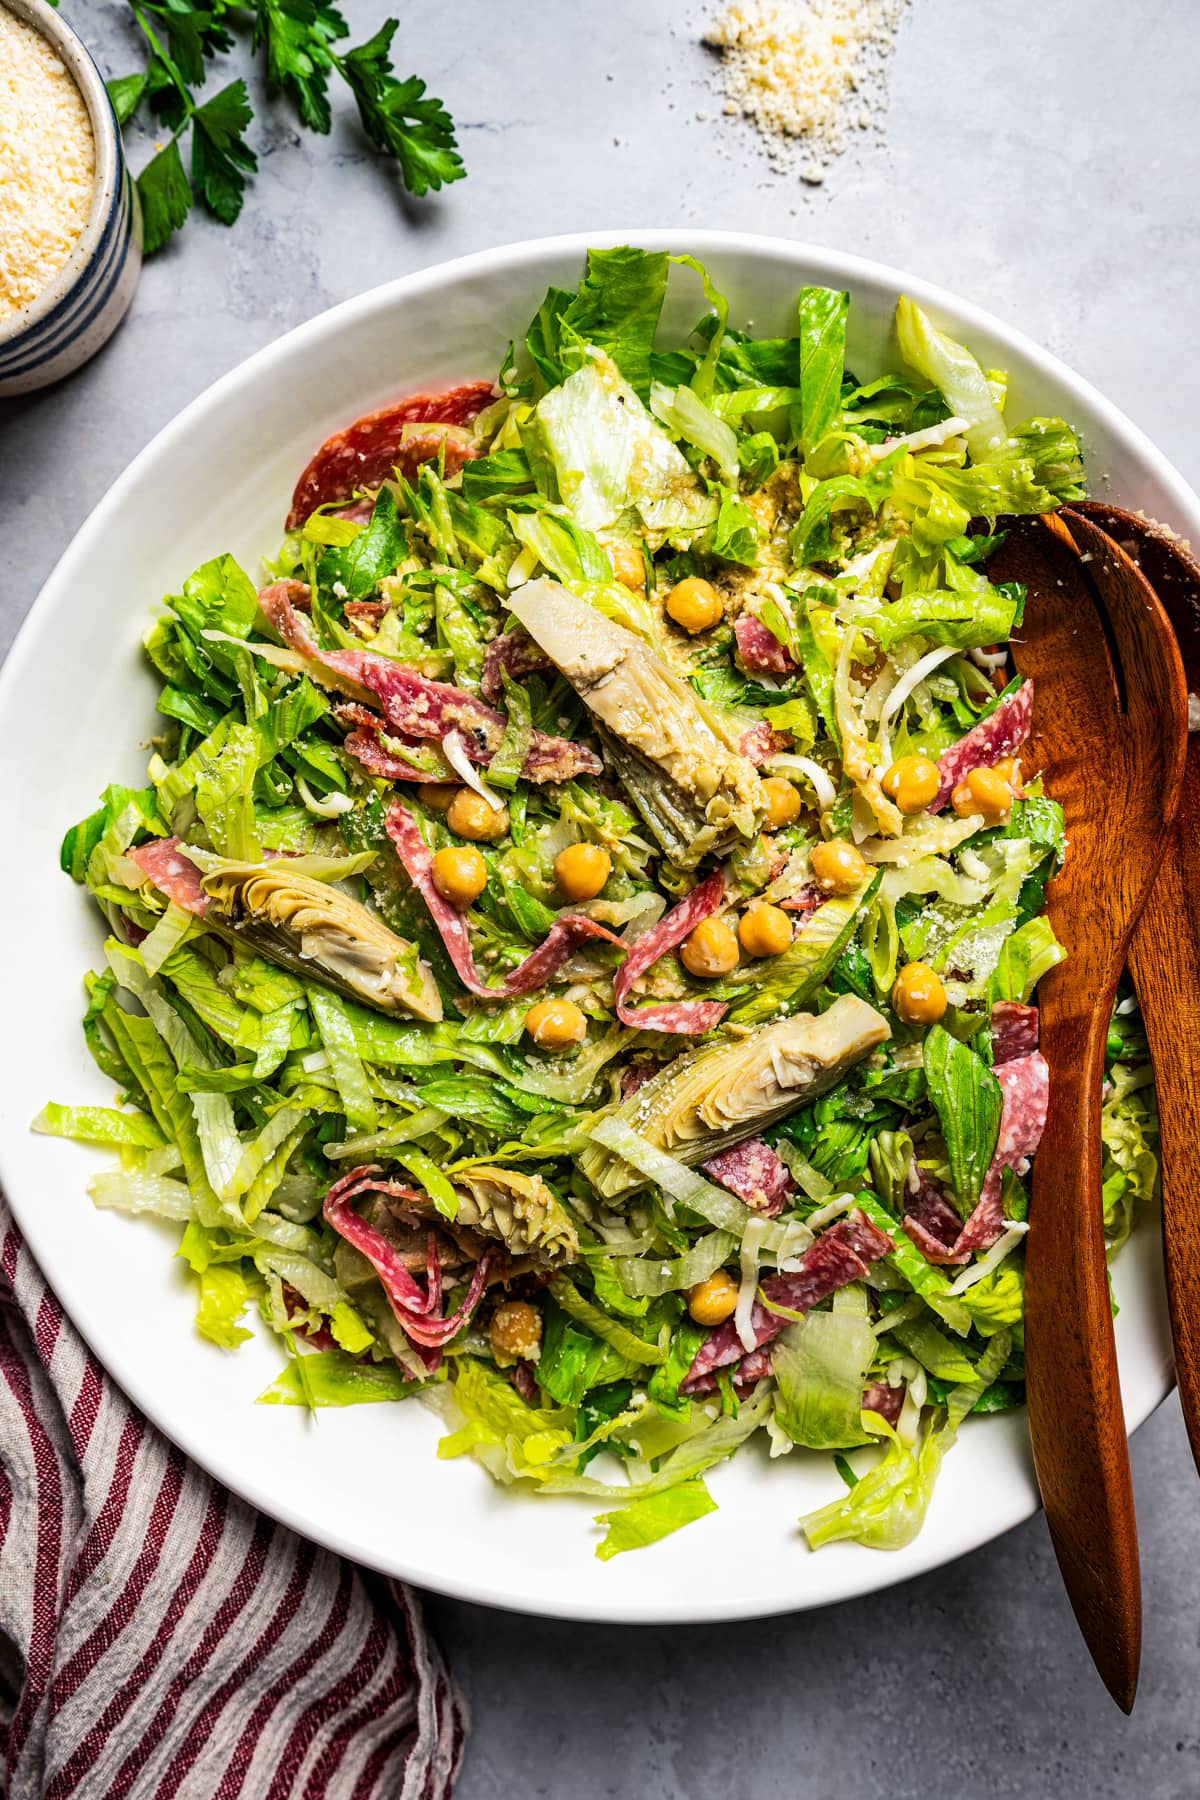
[(574, 959)]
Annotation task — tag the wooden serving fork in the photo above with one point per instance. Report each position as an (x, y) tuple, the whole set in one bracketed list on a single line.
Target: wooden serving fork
[(1164, 954), (1109, 732)]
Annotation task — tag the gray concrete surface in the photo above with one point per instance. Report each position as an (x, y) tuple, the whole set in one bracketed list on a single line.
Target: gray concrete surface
[(1040, 157)]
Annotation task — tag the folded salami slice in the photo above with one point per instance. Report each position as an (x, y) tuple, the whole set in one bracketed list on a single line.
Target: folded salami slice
[(172, 873), (840, 1255), (759, 649), (1014, 1030), (415, 1307), (364, 454), (986, 743), (364, 743), (415, 707), (1026, 1087), (564, 937), (685, 1016), (929, 1218), (754, 1173)]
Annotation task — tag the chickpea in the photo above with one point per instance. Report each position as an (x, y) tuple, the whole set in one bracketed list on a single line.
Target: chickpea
[(437, 795), (459, 875), (628, 566), (984, 791), (918, 996), (555, 1024), (838, 866), (709, 949), (912, 782), (711, 1302), (783, 802), (581, 870), (515, 1332), (764, 930), (1006, 769), (470, 816), (695, 604)]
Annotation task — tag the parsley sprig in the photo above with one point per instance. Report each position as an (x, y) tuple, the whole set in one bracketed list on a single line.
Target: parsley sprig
[(302, 45)]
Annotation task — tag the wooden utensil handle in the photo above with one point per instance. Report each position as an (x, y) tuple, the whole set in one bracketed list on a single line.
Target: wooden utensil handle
[(1075, 1397), (1165, 960)]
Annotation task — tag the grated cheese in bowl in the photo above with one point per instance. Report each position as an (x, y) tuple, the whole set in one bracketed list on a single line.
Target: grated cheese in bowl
[(47, 164), (804, 71)]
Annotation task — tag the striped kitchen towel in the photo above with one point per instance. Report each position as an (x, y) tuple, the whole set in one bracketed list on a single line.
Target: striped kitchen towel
[(160, 1638)]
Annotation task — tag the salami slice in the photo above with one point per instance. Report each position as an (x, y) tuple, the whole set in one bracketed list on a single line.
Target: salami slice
[(684, 1016), (415, 707), (513, 651), (760, 742), (759, 650), (754, 1173), (172, 873), (1014, 1030), (744, 1374), (884, 1399), (364, 454), (985, 743), (842, 1254), (564, 937)]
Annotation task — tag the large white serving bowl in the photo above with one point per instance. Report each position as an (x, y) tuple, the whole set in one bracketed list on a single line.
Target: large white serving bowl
[(76, 707)]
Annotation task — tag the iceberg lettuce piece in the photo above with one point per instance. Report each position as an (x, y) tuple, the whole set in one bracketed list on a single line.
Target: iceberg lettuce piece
[(820, 1365), (611, 456), (647, 1521)]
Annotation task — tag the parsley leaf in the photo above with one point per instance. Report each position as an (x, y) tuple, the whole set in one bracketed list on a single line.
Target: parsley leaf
[(297, 34), (398, 117), (220, 153), (165, 195), (125, 92)]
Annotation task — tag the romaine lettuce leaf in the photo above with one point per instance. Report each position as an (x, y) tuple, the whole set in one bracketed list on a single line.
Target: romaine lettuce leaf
[(968, 1100)]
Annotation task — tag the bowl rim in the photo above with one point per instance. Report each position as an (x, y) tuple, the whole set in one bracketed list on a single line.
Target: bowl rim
[(816, 262), (109, 158)]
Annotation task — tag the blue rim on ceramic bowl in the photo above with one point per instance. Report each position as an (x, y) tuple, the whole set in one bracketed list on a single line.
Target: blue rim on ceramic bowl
[(89, 296)]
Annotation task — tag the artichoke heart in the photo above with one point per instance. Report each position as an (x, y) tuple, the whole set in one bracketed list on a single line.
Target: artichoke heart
[(712, 1098), (518, 1209), (679, 760), (317, 930)]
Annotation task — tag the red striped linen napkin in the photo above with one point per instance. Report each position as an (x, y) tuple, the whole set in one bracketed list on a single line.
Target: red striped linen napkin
[(158, 1637)]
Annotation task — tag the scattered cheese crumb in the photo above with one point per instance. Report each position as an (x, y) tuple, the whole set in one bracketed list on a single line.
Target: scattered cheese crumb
[(806, 69), (47, 164)]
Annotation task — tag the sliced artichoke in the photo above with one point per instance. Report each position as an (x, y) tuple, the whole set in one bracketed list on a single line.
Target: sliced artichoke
[(679, 760), (318, 931), (712, 1098), (518, 1209)]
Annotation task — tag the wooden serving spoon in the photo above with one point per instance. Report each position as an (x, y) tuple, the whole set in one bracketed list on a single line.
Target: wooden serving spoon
[(1109, 731), (1164, 956)]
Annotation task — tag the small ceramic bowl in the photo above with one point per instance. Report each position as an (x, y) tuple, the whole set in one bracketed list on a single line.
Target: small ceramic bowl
[(90, 295)]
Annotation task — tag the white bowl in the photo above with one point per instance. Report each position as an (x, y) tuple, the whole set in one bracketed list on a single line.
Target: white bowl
[(76, 700)]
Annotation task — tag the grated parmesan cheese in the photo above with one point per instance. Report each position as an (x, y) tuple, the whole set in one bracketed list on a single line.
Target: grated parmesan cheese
[(47, 164), (806, 70)]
